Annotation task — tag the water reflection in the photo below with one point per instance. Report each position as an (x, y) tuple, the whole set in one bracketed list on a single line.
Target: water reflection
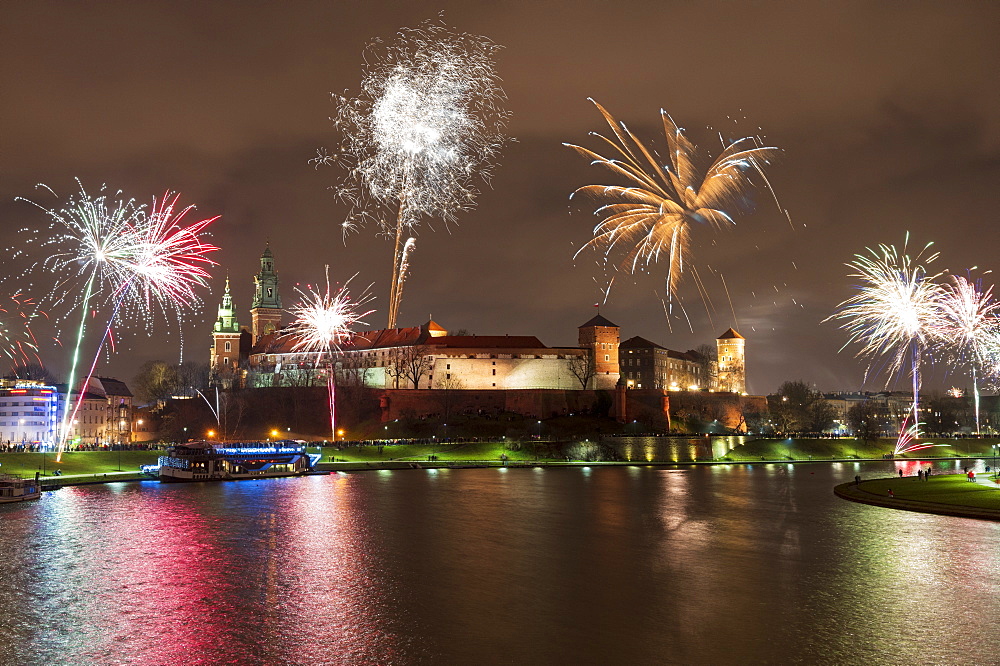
[(749, 563)]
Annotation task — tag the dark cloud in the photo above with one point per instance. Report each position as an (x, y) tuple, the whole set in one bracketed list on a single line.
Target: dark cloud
[(885, 112)]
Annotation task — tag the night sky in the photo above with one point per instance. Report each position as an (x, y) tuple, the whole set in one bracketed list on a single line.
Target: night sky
[(887, 113)]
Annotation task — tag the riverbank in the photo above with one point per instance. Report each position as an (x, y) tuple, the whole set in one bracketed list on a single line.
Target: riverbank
[(92, 466), (944, 494)]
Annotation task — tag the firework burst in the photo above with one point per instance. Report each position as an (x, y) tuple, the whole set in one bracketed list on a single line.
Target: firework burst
[(968, 326), (429, 124), (654, 213), (118, 262), (895, 311), (323, 321)]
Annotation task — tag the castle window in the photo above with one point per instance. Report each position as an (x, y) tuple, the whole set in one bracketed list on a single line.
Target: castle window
[(448, 376), (607, 357), (447, 366), (229, 346), (226, 360), (494, 373), (270, 292)]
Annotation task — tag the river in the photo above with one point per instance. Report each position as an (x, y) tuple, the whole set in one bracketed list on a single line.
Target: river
[(625, 565)]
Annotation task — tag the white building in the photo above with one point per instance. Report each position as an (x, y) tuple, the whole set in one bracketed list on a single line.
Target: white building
[(424, 357), (29, 413)]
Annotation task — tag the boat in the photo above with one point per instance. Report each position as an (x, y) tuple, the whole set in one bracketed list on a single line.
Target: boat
[(15, 489), (214, 461)]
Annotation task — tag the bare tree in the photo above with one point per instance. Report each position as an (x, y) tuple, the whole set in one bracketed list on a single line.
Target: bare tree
[(583, 368), (417, 362), (395, 365), (731, 379), (192, 376), (448, 386), (155, 380), (864, 419), (32, 371)]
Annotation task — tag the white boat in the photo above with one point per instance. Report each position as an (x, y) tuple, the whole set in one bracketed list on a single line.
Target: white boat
[(15, 489), (211, 461)]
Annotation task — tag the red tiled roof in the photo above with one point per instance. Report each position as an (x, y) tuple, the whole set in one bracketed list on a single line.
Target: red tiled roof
[(488, 341), (284, 343)]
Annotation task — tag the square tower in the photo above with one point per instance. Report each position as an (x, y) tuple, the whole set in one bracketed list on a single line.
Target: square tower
[(265, 309), (602, 338)]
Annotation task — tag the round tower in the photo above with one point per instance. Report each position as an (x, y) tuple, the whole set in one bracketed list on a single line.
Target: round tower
[(732, 362)]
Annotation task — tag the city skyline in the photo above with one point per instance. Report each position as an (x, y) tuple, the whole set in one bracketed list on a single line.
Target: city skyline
[(883, 114)]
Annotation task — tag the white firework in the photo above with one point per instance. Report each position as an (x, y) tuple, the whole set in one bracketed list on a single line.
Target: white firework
[(426, 128)]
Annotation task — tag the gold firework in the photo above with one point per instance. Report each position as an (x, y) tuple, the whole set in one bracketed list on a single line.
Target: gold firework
[(653, 214)]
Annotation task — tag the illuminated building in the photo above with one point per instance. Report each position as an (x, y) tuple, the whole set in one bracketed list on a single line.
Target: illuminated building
[(732, 362), (647, 365), (29, 412), (230, 343), (265, 309), (424, 357)]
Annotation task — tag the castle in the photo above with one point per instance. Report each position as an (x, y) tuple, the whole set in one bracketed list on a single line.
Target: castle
[(428, 357)]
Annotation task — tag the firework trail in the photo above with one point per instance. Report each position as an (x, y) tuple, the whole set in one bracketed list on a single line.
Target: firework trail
[(653, 214), (428, 124), (908, 433), (17, 340), (126, 260), (895, 311), (322, 323), (404, 270), (968, 326)]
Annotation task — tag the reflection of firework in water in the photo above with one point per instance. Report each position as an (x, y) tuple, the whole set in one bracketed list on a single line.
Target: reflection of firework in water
[(428, 122), (113, 256), (968, 326), (895, 310), (322, 323), (17, 341), (652, 215)]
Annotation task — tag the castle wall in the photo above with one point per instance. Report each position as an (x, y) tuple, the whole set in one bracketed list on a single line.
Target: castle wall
[(533, 403), (513, 372)]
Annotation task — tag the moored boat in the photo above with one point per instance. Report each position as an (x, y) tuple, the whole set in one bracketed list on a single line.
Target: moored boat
[(15, 489), (212, 461)]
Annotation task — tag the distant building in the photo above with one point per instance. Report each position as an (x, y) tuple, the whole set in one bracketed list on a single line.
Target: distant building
[(647, 365), (116, 426), (29, 413)]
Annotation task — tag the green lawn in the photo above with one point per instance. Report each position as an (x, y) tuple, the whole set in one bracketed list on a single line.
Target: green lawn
[(843, 448), (950, 489), (76, 462), (444, 452)]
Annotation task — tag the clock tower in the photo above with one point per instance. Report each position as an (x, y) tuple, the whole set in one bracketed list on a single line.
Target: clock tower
[(265, 309)]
